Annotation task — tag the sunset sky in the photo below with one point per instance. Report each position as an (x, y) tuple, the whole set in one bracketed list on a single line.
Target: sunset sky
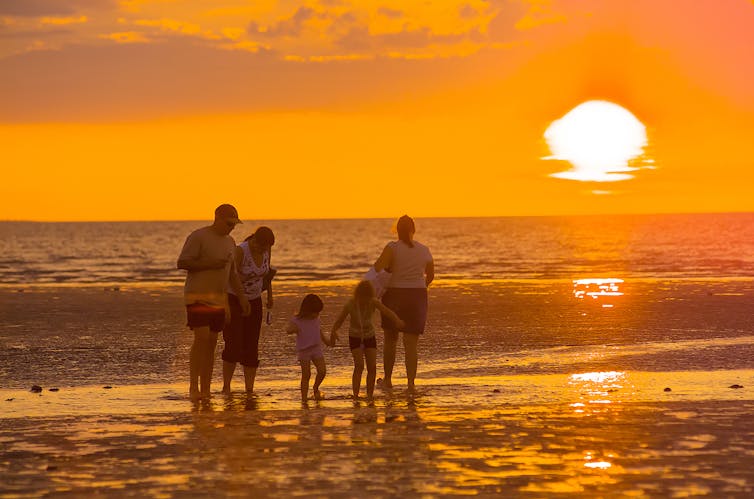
[(163, 109)]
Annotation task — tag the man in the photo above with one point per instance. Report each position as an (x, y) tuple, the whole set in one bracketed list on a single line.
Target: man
[(207, 255)]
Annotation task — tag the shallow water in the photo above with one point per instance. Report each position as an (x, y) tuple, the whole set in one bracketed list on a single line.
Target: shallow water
[(426, 446), (526, 387)]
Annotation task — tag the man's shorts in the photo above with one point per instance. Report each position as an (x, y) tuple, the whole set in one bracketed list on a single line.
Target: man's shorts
[(200, 315)]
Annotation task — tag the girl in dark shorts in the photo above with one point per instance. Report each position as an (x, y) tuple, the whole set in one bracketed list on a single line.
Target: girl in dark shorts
[(361, 338)]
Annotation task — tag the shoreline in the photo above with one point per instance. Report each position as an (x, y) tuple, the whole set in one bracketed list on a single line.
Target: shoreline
[(335, 283), (580, 389)]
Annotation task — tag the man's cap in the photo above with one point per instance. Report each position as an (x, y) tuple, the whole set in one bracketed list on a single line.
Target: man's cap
[(228, 212)]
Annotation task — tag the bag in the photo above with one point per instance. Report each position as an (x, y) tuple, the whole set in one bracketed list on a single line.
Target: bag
[(267, 281), (379, 280)]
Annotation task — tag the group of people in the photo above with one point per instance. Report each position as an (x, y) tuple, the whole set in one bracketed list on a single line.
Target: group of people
[(224, 288)]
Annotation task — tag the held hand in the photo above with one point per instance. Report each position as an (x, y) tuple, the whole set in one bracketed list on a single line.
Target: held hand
[(333, 338), (401, 324)]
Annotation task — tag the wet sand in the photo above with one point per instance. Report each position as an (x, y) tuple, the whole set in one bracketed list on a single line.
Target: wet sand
[(398, 448), (528, 394)]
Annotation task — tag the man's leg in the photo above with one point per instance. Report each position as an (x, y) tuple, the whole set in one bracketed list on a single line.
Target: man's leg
[(207, 344), (195, 361)]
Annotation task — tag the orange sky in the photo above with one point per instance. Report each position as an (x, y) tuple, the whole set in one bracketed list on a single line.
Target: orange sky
[(162, 109)]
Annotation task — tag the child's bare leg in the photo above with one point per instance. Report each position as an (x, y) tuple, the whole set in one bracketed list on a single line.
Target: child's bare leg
[(391, 340), (358, 368), (371, 360), (319, 363), (306, 373)]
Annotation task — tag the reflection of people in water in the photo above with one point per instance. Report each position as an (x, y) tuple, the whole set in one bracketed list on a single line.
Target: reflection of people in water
[(361, 338), (207, 256), (309, 338)]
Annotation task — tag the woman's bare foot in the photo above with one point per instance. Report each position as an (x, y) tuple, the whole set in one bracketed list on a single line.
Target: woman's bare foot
[(385, 384), (319, 395)]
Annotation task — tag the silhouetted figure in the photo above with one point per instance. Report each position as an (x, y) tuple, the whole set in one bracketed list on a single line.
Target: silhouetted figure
[(361, 338), (207, 255), (412, 270), (309, 338), (241, 335)]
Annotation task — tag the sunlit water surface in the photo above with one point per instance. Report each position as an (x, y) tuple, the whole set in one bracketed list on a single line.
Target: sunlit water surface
[(584, 356)]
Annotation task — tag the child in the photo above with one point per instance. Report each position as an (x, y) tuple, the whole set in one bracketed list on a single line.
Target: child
[(361, 337), (309, 337)]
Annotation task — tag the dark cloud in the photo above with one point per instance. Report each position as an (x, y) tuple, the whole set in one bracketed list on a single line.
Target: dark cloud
[(391, 13), (467, 12), (38, 8), (291, 27), (503, 25), (359, 38), (39, 33)]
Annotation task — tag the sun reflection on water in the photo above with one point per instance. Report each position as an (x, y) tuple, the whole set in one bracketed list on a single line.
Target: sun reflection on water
[(597, 287)]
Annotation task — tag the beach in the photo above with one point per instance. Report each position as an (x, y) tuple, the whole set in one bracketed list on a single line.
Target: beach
[(524, 389)]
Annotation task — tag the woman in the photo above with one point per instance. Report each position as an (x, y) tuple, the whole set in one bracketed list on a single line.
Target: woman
[(412, 270), (241, 334)]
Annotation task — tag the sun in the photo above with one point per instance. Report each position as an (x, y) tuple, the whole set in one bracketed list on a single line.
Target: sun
[(598, 138)]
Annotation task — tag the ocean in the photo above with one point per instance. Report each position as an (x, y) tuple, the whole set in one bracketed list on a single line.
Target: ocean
[(558, 290), (579, 356), (530, 248)]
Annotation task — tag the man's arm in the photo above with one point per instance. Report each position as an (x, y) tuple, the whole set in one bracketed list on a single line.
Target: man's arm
[(197, 264)]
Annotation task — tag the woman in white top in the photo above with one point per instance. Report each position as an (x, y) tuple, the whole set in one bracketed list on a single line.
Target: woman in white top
[(412, 270), (241, 334)]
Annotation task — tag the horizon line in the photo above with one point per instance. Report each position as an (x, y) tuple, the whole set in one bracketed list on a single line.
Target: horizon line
[(572, 215)]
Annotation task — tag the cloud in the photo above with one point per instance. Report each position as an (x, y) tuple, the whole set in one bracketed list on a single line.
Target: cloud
[(62, 21), (39, 8), (391, 13), (359, 38), (180, 76), (126, 37), (289, 27), (26, 34)]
